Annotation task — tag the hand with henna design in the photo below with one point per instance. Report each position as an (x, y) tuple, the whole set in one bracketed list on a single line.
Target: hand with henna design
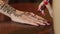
[(20, 16)]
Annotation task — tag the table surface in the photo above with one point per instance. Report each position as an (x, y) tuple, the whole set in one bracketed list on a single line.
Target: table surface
[(14, 28)]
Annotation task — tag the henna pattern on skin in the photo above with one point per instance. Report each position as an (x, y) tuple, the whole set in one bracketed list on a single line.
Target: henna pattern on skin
[(6, 8)]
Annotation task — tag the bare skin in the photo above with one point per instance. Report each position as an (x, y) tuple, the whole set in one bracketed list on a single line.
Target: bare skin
[(20, 16), (48, 6)]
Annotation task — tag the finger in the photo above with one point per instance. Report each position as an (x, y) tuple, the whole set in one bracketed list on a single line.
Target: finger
[(46, 22)]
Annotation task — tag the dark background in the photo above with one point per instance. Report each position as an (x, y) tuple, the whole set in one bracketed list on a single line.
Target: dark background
[(24, 1)]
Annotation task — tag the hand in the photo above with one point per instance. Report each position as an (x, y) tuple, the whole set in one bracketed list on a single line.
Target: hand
[(29, 18)]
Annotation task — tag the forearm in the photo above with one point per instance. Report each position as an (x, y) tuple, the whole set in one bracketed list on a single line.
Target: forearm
[(5, 9), (8, 10)]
